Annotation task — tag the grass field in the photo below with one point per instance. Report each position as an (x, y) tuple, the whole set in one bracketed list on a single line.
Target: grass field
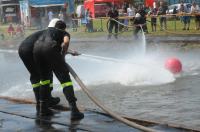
[(173, 28)]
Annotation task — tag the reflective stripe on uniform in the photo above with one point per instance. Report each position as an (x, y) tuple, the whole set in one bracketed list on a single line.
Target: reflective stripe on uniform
[(45, 82), (66, 84), (36, 85)]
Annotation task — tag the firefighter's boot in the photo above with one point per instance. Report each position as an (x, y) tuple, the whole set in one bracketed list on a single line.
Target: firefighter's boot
[(37, 99), (69, 94), (44, 109), (44, 101), (53, 100), (75, 113)]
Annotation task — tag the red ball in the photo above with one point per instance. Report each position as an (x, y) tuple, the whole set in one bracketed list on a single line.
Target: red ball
[(173, 65)]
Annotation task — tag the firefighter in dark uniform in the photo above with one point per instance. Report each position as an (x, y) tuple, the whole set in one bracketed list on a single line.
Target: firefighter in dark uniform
[(139, 25), (49, 54), (26, 54), (113, 14)]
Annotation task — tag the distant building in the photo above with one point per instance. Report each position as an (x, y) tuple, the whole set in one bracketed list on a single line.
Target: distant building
[(9, 11), (32, 12)]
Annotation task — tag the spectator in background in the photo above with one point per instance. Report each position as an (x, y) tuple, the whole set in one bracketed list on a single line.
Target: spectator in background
[(131, 12), (125, 13), (74, 22), (155, 4), (185, 18), (87, 18), (11, 30), (162, 10), (2, 37), (19, 31), (38, 19), (195, 10), (89, 22), (84, 19), (50, 15), (125, 7), (153, 14), (121, 14), (61, 16), (4, 19)]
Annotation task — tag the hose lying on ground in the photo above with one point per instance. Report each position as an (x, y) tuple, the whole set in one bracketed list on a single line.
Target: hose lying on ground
[(97, 102)]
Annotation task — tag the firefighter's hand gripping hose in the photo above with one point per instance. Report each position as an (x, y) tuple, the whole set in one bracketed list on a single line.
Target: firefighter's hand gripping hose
[(122, 24), (108, 111), (75, 53)]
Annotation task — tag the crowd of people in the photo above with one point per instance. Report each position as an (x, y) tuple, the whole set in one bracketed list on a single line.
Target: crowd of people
[(159, 11), (183, 12), (18, 31)]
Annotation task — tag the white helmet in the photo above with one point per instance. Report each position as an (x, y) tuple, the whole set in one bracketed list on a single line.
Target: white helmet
[(137, 15), (53, 22)]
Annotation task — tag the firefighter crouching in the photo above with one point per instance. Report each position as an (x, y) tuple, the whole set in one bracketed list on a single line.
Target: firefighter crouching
[(26, 54), (48, 54)]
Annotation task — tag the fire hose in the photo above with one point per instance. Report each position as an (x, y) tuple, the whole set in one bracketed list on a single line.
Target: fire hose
[(105, 109)]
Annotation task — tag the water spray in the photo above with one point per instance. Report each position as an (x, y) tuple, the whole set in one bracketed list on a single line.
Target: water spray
[(97, 57), (104, 58), (109, 59)]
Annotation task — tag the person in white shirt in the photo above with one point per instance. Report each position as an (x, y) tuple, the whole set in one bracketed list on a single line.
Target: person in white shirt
[(131, 10), (61, 16), (50, 15), (183, 9), (196, 11)]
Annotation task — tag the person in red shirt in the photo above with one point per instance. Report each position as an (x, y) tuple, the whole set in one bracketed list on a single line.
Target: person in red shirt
[(19, 30), (11, 30)]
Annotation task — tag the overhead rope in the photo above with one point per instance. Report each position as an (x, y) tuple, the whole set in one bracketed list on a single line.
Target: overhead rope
[(108, 111)]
